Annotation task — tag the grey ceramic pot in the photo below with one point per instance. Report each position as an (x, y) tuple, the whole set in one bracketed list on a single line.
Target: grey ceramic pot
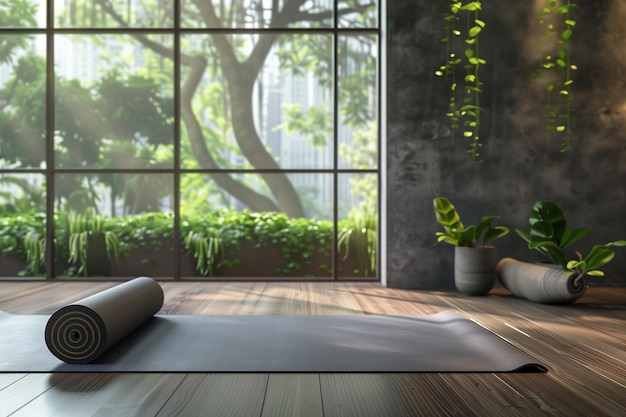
[(539, 283), (474, 269)]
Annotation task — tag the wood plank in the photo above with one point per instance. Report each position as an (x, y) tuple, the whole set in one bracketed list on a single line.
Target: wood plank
[(431, 395), (17, 395), (8, 379), (379, 300), (362, 395), (214, 298), (293, 395), (103, 395), (137, 395), (550, 395), (392, 395), (51, 296), (488, 395), (558, 345), (217, 395), (9, 291)]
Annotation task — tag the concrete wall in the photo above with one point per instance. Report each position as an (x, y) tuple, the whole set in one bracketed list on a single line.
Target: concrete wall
[(519, 165)]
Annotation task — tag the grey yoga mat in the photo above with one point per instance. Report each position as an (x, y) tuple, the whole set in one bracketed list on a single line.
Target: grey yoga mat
[(444, 342), (84, 330)]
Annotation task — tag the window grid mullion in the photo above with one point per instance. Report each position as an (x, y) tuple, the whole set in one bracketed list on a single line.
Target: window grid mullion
[(50, 170), (49, 173)]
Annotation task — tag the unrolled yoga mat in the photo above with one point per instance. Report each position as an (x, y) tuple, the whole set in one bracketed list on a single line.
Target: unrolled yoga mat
[(444, 342)]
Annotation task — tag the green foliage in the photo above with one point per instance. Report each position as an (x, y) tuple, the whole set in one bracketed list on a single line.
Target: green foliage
[(35, 246), (599, 256), (315, 122), (312, 54), (22, 110), (134, 105), (222, 233), (84, 230), (215, 239), (300, 238), (23, 197), (143, 232), (558, 27), (306, 53), (203, 238), (15, 14), (15, 228), (547, 224), (462, 47), (207, 248), (457, 234), (550, 235), (362, 153), (357, 72), (359, 234)]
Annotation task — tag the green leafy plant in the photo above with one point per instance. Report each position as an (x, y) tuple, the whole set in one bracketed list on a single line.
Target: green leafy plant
[(558, 27), (360, 233), (88, 241), (14, 227), (216, 239), (143, 232), (550, 235), (207, 248), (547, 224), (35, 246), (455, 233), (465, 116)]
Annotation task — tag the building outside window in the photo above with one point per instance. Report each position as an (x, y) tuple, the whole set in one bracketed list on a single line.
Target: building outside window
[(193, 139)]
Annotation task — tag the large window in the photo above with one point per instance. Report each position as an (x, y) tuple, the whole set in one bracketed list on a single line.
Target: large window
[(190, 138)]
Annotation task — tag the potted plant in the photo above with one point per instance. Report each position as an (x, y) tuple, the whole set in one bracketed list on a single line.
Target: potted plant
[(207, 248), (90, 246), (35, 247), (564, 278), (474, 260)]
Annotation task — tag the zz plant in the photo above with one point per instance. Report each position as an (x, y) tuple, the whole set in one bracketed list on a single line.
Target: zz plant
[(457, 234), (550, 235)]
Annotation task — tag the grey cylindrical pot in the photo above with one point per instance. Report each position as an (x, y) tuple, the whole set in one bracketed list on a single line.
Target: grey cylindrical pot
[(474, 269), (538, 283)]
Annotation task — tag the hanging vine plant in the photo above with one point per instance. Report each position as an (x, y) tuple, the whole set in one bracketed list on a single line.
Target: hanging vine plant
[(558, 27), (461, 69)]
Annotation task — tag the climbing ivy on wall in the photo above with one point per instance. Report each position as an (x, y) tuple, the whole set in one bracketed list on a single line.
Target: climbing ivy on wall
[(461, 70), (557, 29)]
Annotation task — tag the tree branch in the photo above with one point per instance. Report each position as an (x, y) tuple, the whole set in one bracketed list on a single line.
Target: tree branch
[(249, 197)]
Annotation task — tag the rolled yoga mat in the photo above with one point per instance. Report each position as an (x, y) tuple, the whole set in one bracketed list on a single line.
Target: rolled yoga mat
[(538, 283), (84, 330)]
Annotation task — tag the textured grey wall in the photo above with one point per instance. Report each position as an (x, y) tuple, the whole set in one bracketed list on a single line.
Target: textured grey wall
[(519, 165)]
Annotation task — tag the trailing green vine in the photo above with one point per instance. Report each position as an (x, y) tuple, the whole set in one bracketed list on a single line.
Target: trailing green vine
[(466, 114), (559, 99)]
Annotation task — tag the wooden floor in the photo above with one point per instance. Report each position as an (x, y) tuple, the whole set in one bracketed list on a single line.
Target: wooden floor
[(583, 345)]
